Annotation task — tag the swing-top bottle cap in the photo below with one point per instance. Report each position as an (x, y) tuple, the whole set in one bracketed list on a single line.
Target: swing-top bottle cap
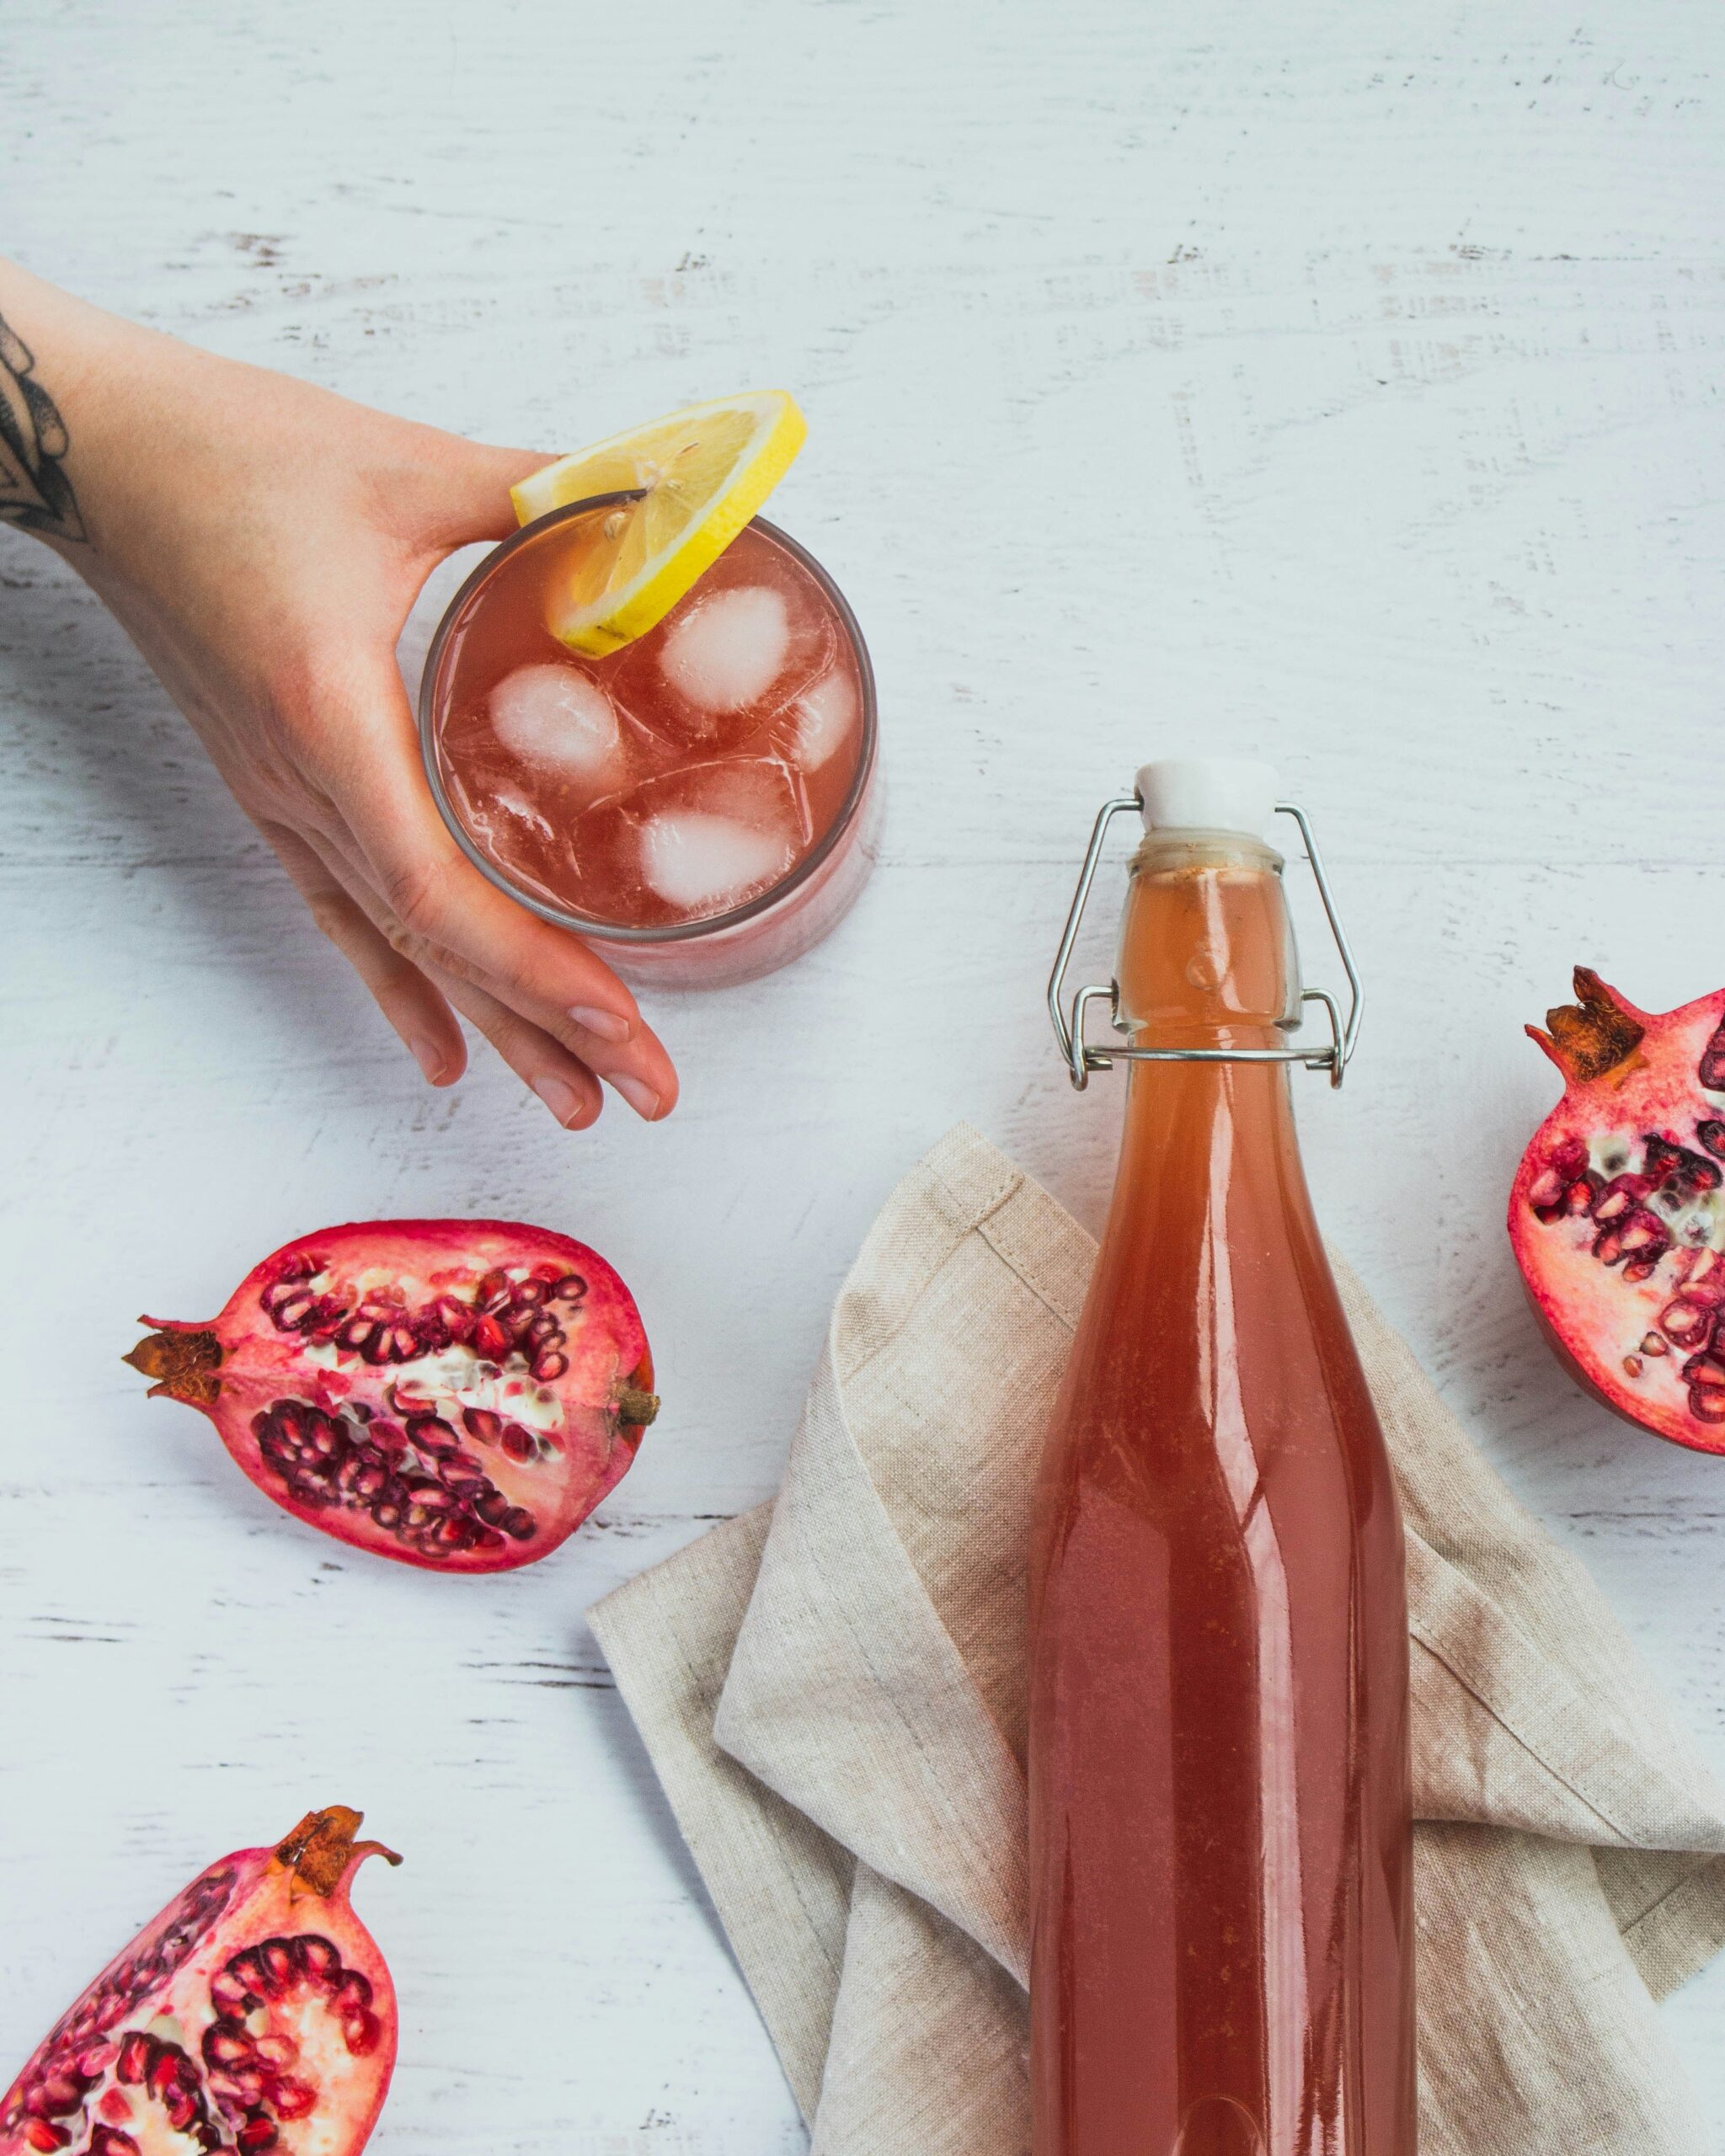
[(1208, 793)]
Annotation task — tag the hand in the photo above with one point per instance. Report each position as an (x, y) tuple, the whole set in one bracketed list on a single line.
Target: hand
[(262, 542)]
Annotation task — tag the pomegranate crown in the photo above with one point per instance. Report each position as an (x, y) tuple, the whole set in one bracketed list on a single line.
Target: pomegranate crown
[(1593, 1035), (321, 1851)]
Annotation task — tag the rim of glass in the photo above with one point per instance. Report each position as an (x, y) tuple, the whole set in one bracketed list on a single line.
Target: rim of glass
[(564, 916)]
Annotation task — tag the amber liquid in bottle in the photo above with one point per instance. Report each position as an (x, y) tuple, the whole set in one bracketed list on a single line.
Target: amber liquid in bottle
[(1221, 1836)]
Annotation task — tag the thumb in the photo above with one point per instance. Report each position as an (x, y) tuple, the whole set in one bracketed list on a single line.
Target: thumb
[(467, 490)]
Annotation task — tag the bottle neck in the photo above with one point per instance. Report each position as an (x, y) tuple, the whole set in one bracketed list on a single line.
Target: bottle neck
[(1206, 961), (1207, 957)]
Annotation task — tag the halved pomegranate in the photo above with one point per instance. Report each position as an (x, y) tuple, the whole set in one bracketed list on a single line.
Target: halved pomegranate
[(254, 2012), (457, 1394), (1616, 1214)]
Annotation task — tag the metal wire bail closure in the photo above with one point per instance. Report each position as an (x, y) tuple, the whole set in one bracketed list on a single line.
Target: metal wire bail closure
[(1081, 1059)]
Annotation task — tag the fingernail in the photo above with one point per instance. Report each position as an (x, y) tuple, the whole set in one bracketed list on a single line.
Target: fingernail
[(639, 1094), (564, 1101), (607, 1024), (430, 1057)]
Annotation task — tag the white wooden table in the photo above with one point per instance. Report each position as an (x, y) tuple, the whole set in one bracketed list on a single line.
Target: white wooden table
[(1330, 381)]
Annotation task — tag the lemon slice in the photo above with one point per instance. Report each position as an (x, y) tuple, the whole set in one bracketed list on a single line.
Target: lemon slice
[(702, 473)]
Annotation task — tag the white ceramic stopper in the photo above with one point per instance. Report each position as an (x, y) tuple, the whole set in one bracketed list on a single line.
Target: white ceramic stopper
[(1209, 793)]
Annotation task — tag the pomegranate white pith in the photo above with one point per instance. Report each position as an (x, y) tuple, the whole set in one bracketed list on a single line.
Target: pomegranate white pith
[(454, 1394), (1617, 1213), (255, 2012)]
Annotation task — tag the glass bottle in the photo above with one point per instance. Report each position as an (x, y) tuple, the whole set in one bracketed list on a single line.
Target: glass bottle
[(1221, 1821)]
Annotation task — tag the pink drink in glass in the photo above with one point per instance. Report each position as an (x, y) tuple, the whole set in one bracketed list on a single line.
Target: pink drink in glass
[(700, 804)]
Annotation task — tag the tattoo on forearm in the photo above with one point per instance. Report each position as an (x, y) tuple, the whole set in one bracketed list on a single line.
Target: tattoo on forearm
[(35, 491)]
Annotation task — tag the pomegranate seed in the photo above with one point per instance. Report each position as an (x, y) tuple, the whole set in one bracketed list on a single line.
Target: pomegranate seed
[(573, 1288), (455, 1317), (1707, 1406), (1690, 1172), (106, 2142), (1687, 1322), (1634, 1365), (489, 1337), (360, 2032), (1638, 1235), (278, 2050), (255, 2134), (491, 1505), (292, 2100), (482, 1425), (432, 1435), (238, 2088), (1620, 1194), (1568, 1156), (1711, 1133), (1710, 1070), (549, 1365), (519, 1443), (114, 2107), (1654, 1344), (319, 1958), (1545, 1190), (135, 2055), (1706, 1372), (226, 2043), (40, 2134), (519, 1524), (352, 1992), (53, 2099)]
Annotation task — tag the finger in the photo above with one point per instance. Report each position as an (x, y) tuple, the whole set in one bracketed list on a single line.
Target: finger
[(562, 1082), (590, 1052), (449, 919), (465, 490), (416, 1009)]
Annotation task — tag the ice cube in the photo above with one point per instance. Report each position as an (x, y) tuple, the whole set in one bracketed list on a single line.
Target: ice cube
[(559, 723), (821, 719), (704, 864), (725, 653), (713, 835)]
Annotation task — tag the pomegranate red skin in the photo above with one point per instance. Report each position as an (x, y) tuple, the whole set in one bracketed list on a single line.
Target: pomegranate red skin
[(457, 1395), (1617, 1211), (254, 2013)]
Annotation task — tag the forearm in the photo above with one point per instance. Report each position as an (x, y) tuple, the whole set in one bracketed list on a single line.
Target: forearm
[(89, 406), (53, 351)]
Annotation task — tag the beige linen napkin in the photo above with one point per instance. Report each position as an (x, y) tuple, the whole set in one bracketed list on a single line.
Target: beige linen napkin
[(832, 1691)]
